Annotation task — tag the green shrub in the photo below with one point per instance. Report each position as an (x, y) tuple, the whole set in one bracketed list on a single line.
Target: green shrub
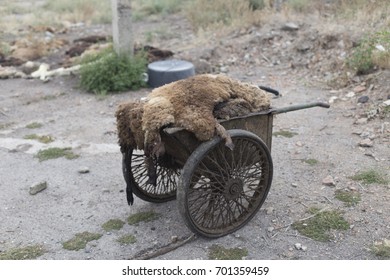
[(365, 57), (109, 72)]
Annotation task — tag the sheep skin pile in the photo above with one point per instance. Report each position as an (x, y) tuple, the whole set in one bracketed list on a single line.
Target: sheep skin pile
[(194, 104)]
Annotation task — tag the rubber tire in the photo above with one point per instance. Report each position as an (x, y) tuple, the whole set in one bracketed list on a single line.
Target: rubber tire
[(196, 158)]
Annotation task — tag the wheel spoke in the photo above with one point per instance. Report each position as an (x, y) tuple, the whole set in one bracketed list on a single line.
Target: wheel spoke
[(167, 178)]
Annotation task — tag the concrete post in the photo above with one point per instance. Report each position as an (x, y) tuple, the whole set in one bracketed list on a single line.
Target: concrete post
[(122, 27)]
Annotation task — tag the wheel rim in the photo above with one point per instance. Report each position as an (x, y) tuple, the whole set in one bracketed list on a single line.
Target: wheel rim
[(227, 188), (167, 178)]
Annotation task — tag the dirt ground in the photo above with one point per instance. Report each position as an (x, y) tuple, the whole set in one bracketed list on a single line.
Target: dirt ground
[(75, 202)]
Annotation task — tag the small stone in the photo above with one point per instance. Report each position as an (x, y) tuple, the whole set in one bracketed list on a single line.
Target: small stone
[(174, 238), (332, 99), (328, 181), (294, 185), (298, 246), (361, 121), (299, 144), (387, 102), (223, 69), (366, 143), (290, 26), (363, 99), (153, 228), (304, 248), (359, 89), (38, 187), (83, 170), (269, 210), (270, 229), (350, 94), (22, 148)]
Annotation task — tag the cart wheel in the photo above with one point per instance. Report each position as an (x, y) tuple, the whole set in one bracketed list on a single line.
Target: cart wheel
[(136, 175), (220, 190)]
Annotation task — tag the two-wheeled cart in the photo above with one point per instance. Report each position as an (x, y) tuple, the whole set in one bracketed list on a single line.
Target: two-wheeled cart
[(218, 189)]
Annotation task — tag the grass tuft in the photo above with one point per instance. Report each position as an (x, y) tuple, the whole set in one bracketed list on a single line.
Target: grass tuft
[(142, 217), (310, 161), (369, 54), (350, 198), (127, 239), (113, 224), (217, 252), (24, 253), (53, 153), (41, 138), (319, 225), (34, 125), (370, 177), (80, 240), (284, 133), (382, 249)]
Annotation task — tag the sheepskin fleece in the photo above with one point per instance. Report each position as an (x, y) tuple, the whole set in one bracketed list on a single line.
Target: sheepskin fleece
[(190, 104), (129, 125)]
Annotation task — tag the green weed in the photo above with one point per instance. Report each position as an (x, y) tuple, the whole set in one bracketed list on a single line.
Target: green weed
[(53, 153), (127, 239), (80, 240), (285, 133), (310, 161), (142, 217), (350, 198), (113, 224), (365, 56), (318, 226), (382, 249), (41, 138), (5, 125), (24, 253), (217, 252), (34, 125), (370, 177)]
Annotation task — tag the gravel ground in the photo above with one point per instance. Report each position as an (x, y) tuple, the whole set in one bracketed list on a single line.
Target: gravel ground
[(75, 202)]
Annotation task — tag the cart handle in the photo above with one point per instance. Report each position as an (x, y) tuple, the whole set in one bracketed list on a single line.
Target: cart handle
[(299, 107)]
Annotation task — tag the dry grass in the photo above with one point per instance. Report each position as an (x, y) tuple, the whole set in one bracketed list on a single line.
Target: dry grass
[(20, 14), (204, 14)]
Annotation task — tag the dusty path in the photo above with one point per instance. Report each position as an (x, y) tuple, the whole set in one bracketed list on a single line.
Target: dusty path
[(75, 202), (324, 143)]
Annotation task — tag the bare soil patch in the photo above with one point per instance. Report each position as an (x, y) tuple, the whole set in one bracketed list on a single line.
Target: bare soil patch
[(85, 192)]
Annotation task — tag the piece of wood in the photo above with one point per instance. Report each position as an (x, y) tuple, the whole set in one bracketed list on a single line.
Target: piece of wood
[(164, 249)]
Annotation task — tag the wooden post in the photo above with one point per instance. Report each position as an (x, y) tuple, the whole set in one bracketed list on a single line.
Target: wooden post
[(122, 27)]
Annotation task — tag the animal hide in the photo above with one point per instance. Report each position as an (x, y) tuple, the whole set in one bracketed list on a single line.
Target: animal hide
[(194, 104)]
